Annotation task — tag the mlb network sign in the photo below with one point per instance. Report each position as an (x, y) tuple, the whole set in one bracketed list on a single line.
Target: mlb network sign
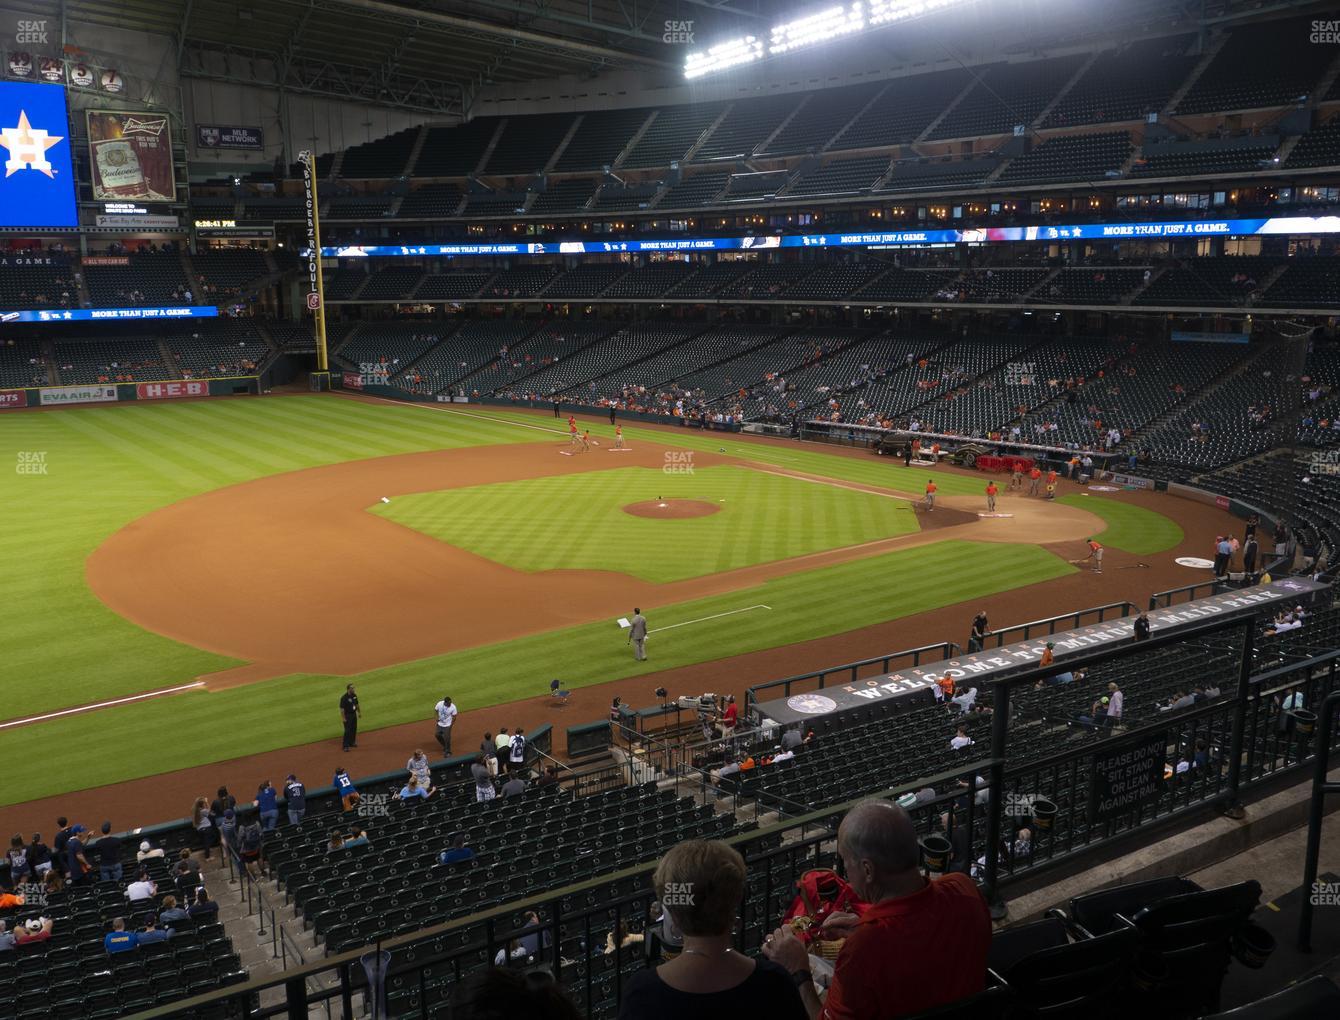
[(37, 189)]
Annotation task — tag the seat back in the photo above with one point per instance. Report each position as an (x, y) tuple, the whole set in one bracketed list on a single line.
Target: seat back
[(1080, 979)]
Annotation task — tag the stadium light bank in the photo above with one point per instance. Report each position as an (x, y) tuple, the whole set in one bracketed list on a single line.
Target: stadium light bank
[(831, 23)]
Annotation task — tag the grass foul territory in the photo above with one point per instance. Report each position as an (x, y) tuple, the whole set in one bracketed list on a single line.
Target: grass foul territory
[(295, 710)]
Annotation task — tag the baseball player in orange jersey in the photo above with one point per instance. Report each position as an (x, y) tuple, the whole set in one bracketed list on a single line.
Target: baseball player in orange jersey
[(618, 437), (1017, 478), (586, 439), (930, 496), (991, 491), (1035, 481), (1051, 477), (573, 438)]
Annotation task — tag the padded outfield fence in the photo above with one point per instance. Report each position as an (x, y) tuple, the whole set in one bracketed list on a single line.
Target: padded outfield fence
[(1086, 791)]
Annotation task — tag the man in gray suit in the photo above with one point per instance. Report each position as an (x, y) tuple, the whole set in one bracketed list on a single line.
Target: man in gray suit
[(637, 635)]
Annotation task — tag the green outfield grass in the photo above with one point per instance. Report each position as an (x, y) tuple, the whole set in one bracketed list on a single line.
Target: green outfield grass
[(576, 522), (1130, 528), (212, 727), (869, 469), (108, 466)]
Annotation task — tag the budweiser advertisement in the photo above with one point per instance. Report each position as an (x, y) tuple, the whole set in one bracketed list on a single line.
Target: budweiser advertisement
[(131, 156), (13, 398), (167, 390), (353, 381)]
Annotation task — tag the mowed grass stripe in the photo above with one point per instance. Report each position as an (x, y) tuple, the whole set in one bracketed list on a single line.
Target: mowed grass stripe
[(577, 522), (108, 466), (295, 710), (1131, 528)]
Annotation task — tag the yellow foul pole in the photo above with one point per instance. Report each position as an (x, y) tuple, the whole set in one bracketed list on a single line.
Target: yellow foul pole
[(316, 294)]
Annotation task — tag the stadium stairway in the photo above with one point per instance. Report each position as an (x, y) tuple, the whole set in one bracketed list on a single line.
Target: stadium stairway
[(1216, 44)]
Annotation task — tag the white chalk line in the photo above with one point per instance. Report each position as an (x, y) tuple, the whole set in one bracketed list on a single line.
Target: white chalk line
[(704, 619), (838, 485), (101, 704)]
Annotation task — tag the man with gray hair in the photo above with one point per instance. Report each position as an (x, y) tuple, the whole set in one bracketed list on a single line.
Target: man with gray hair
[(913, 928)]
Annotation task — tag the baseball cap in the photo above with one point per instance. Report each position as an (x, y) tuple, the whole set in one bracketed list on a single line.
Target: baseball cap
[(75, 829), (33, 924), (146, 846), (1105, 699), (230, 813)]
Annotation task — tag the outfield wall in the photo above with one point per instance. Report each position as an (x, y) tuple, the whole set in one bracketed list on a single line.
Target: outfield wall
[(115, 393)]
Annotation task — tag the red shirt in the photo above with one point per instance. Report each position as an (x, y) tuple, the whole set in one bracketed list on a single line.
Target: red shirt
[(1035, 473), (1051, 477), (913, 953), (732, 714), (991, 489), (930, 488)]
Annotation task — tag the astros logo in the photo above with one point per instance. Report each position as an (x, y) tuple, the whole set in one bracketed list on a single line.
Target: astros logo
[(27, 147)]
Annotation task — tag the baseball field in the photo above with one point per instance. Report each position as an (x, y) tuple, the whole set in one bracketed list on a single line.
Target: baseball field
[(192, 584)]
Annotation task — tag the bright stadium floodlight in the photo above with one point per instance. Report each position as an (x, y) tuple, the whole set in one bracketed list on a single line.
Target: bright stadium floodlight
[(722, 56), (833, 22)]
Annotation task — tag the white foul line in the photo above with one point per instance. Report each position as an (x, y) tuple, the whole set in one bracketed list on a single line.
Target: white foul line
[(704, 619), (101, 704)]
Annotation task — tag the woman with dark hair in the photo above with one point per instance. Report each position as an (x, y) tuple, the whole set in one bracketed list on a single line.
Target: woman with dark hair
[(203, 823), (500, 994), (700, 884)]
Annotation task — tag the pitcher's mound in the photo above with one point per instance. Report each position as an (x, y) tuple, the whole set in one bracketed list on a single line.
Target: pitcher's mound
[(671, 509)]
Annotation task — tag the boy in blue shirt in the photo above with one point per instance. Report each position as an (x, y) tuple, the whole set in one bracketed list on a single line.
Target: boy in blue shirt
[(345, 789)]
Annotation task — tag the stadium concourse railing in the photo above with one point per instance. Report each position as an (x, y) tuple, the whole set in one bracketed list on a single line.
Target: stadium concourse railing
[(1098, 790)]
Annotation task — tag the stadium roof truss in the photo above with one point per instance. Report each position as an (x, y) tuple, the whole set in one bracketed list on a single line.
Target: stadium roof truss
[(429, 57)]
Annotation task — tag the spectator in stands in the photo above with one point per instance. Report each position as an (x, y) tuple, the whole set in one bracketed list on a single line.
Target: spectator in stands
[(1250, 551), (792, 739), (152, 933), (1115, 702), (489, 751), (515, 785), (7, 939), (35, 929), (77, 869), (20, 869), (701, 884), (502, 994), (143, 888), (186, 872), (249, 844), (108, 849), (9, 900), (458, 852), (203, 909), (345, 790), (148, 850), (171, 912), (418, 768), (977, 639), (483, 780), (964, 699), (267, 805), (516, 759), (548, 779), (412, 791), (118, 940), (206, 833), (228, 831), (40, 857), (913, 928), (961, 739), (295, 796), (502, 745), (446, 716)]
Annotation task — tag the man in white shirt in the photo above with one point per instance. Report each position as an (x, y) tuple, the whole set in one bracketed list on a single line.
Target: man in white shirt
[(1115, 700), (446, 716), (965, 700), (142, 888)]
